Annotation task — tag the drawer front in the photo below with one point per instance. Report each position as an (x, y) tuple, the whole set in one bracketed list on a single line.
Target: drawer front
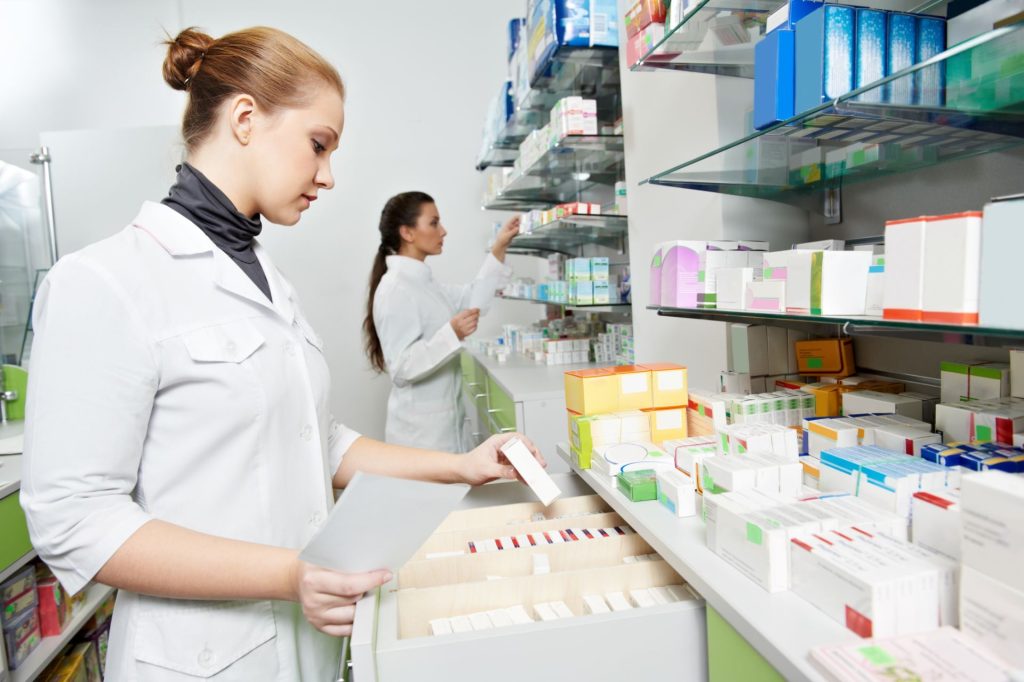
[(13, 530), (663, 642), (501, 407)]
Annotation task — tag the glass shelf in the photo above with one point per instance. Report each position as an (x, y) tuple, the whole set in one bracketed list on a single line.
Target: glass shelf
[(857, 324), (693, 44), (595, 308), (562, 173), (977, 89), (572, 232)]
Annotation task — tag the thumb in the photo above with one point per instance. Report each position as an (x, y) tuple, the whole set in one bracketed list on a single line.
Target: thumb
[(364, 582)]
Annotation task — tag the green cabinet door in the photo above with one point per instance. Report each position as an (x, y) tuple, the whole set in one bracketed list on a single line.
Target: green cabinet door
[(13, 530), (731, 658), (501, 407)]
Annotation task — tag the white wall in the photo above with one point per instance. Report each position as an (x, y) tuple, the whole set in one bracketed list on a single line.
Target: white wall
[(418, 88)]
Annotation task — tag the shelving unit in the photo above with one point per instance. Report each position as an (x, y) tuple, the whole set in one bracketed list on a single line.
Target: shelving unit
[(781, 626), (865, 325), (874, 131), (51, 646)]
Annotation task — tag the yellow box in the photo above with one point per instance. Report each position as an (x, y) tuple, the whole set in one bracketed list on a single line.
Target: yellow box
[(825, 357), (667, 423), (588, 432), (592, 391), (668, 384), (826, 399), (634, 387)]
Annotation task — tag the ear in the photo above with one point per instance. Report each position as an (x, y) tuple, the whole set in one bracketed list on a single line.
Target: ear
[(406, 233), (241, 114)]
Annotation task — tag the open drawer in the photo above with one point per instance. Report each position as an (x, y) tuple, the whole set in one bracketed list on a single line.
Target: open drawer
[(392, 640)]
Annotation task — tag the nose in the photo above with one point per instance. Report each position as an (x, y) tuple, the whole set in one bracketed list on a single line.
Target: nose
[(444, 232), (324, 178)]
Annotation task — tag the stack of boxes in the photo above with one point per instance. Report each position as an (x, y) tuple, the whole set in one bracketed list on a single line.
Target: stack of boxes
[(992, 585), (684, 273), (589, 281), (20, 616), (616, 346), (814, 54), (569, 117), (645, 27), (532, 220)]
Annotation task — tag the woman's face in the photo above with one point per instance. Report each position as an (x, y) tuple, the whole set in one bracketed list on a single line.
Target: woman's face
[(292, 164), (426, 237)]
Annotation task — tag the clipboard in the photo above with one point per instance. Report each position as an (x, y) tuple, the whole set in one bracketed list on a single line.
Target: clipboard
[(380, 522)]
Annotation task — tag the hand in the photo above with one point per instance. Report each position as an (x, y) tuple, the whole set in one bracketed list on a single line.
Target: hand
[(486, 463), (328, 597), (509, 230), (464, 324)]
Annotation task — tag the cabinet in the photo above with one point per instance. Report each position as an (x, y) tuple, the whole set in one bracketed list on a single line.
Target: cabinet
[(391, 641)]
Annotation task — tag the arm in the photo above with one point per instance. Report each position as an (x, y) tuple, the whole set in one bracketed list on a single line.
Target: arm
[(482, 465), (494, 274)]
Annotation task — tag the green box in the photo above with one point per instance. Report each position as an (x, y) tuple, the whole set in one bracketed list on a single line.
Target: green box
[(639, 486)]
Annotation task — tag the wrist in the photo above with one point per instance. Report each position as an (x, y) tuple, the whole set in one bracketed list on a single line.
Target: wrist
[(498, 251), (289, 590)]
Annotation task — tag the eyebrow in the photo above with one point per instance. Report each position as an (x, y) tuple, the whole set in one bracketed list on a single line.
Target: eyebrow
[(332, 131)]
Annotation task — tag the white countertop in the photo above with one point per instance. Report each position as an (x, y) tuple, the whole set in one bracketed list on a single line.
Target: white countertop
[(10, 474), (524, 379), (12, 437), (781, 626)]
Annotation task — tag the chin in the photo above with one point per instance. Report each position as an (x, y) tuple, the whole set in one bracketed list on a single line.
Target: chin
[(285, 217)]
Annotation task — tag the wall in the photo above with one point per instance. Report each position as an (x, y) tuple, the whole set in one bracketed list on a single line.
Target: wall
[(418, 90)]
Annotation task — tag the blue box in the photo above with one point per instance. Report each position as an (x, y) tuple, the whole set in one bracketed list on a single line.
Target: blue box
[(870, 63), (552, 24), (604, 23), (930, 82), (901, 52), (514, 28), (798, 9), (824, 56), (774, 73)]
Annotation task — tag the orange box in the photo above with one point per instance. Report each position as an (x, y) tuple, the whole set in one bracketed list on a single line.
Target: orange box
[(635, 388), (668, 384), (592, 391), (826, 399), (825, 357), (667, 423)]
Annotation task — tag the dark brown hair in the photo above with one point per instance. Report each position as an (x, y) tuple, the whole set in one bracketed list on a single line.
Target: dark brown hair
[(401, 210), (278, 70)]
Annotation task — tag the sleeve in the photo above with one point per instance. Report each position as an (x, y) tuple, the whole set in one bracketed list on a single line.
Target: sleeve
[(409, 354), (339, 439), (92, 385), (479, 293)]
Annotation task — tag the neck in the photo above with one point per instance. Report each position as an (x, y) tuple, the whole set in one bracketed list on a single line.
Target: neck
[(412, 252), (218, 168)]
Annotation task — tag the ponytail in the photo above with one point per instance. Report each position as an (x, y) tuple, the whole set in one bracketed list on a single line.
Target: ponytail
[(400, 210)]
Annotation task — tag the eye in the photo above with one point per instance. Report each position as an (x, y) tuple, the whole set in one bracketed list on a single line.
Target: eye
[(317, 147)]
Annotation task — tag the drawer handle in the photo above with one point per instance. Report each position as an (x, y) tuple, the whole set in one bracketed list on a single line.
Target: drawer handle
[(507, 430), (477, 396), (494, 410)]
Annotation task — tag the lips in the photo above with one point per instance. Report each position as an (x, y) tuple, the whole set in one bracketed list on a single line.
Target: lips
[(309, 197)]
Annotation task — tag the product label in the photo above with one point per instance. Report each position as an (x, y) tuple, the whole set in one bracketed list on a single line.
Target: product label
[(634, 383), (668, 419), (670, 381)]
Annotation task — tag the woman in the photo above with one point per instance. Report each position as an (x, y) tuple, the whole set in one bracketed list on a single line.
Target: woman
[(414, 326), (178, 443)]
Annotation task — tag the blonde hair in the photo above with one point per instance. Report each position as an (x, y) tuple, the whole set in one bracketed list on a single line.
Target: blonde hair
[(276, 69)]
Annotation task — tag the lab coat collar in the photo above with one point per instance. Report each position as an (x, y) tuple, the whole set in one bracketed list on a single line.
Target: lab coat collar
[(179, 236), (412, 268)]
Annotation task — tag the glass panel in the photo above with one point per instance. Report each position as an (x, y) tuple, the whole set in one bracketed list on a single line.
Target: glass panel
[(966, 101), (22, 247), (718, 36), (561, 174), (570, 233), (595, 308), (850, 323)]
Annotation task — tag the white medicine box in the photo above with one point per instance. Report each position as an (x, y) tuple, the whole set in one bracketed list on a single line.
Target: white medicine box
[(393, 638)]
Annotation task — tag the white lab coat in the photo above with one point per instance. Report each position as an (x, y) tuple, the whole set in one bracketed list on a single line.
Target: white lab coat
[(164, 385), (412, 314)]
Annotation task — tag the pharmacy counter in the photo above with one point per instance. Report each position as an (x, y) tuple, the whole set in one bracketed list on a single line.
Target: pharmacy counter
[(782, 627), (10, 475), (524, 379)]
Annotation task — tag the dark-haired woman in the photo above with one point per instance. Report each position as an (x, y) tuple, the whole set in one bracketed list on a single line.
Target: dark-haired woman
[(415, 326), (179, 443)]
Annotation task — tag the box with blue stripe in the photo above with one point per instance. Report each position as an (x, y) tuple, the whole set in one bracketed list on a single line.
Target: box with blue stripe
[(930, 82), (870, 65), (774, 71), (901, 50)]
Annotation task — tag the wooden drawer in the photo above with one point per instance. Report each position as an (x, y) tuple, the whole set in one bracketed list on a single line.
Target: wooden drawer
[(660, 642), (523, 512)]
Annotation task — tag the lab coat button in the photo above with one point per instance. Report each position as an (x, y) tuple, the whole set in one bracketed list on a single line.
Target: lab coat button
[(290, 348), (315, 519), (307, 432), (205, 658), (230, 346)]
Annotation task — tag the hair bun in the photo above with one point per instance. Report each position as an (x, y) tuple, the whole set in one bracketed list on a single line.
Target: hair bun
[(184, 56)]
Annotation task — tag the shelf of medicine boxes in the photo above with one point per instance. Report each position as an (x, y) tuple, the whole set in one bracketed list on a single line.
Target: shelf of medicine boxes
[(574, 165), (868, 133), (597, 79), (691, 46), (568, 234), (864, 325), (50, 647), (586, 307), (781, 626)]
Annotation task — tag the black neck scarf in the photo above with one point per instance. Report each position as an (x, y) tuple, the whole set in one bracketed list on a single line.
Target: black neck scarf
[(199, 200)]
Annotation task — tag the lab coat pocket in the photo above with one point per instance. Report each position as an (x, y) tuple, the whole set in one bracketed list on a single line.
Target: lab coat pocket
[(310, 334), (201, 639), (229, 342)]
